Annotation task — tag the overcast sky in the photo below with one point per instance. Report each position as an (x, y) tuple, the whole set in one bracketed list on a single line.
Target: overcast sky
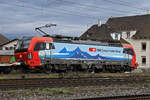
[(73, 17)]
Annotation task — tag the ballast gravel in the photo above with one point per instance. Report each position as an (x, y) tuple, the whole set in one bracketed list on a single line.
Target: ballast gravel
[(70, 93)]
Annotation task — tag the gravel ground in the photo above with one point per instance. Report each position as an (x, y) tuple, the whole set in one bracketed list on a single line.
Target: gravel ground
[(70, 93)]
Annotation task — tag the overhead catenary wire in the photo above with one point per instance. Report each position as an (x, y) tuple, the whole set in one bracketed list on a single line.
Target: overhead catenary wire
[(59, 10), (90, 7), (40, 9), (99, 7), (64, 11), (124, 3), (133, 5), (70, 11)]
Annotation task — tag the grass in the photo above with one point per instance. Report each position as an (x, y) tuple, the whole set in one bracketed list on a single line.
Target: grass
[(37, 92), (49, 91), (140, 85), (100, 91), (28, 92), (60, 91), (12, 92), (46, 89)]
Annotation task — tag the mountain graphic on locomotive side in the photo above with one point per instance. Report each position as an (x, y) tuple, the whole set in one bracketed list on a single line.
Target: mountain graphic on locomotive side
[(77, 53), (49, 54)]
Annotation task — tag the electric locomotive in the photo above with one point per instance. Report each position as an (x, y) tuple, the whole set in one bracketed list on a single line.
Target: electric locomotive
[(50, 54)]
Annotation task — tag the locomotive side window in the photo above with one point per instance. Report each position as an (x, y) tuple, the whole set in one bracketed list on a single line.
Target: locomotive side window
[(26, 43), (128, 51), (23, 44), (125, 50), (51, 46), (40, 46)]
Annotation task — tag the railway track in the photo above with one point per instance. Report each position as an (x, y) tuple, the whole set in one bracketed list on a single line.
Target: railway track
[(73, 75), (128, 97), (65, 82)]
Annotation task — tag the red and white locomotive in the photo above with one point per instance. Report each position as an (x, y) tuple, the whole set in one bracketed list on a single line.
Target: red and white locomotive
[(51, 54)]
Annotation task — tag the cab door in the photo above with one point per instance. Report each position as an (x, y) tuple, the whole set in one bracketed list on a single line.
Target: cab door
[(132, 57), (129, 54), (126, 55), (39, 52), (48, 51)]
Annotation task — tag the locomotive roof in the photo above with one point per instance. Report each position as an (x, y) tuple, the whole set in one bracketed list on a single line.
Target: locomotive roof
[(76, 40), (88, 42)]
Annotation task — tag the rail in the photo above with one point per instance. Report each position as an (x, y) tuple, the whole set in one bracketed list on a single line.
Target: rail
[(127, 97), (55, 82)]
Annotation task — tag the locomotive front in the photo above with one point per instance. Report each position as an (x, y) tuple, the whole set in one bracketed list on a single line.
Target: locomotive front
[(128, 49), (21, 51), (26, 52)]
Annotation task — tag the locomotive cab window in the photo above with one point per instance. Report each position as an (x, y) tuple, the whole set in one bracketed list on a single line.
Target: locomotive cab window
[(40, 46), (49, 46), (23, 44), (128, 51), (43, 46)]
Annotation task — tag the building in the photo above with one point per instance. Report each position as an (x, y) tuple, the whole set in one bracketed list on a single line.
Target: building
[(6, 50), (129, 29), (3, 39), (135, 30), (101, 33), (10, 45)]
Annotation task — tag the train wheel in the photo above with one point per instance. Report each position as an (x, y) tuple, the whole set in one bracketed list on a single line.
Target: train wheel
[(104, 69), (111, 69), (7, 71), (92, 69), (70, 69), (1, 70), (25, 71), (127, 69), (48, 69), (122, 70)]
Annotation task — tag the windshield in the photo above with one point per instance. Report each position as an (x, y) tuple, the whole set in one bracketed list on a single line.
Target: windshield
[(128, 51), (23, 44)]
